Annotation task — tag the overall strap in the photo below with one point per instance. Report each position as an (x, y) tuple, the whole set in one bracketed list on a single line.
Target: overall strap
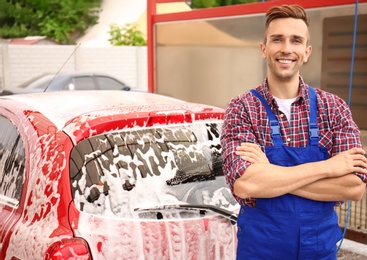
[(274, 124), (313, 135)]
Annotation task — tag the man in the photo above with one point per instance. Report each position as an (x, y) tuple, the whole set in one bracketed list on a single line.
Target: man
[(290, 152)]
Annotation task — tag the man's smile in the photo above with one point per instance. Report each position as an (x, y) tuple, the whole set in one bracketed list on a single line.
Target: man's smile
[(285, 61)]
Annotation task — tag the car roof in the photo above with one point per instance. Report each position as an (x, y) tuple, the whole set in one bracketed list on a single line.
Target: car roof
[(64, 107), (80, 73), (51, 78)]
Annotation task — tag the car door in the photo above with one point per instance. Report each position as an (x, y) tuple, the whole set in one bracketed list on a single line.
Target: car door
[(11, 180)]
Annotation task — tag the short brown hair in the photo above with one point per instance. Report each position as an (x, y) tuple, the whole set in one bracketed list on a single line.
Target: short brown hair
[(285, 11)]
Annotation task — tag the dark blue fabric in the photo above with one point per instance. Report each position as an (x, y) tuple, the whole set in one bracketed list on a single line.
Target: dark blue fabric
[(289, 227)]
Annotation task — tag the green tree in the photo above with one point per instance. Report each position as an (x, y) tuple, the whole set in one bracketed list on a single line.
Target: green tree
[(204, 3), (61, 20), (127, 35), (214, 3)]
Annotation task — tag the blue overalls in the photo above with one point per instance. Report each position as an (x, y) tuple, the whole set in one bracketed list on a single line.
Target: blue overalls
[(289, 227)]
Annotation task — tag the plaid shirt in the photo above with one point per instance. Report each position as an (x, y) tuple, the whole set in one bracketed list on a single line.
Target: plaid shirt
[(246, 120)]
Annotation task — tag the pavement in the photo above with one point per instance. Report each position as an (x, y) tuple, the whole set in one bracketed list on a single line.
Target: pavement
[(351, 250)]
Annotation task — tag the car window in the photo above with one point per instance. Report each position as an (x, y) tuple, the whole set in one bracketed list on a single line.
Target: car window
[(84, 83), (107, 83), (11, 163), (68, 85), (114, 173)]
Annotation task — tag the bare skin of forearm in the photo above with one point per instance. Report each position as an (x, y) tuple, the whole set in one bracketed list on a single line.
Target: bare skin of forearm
[(265, 180), (347, 187)]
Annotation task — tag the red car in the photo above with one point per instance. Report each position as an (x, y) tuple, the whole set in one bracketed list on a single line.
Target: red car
[(112, 175)]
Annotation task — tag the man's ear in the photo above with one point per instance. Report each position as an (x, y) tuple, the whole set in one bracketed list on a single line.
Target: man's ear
[(308, 53), (263, 50)]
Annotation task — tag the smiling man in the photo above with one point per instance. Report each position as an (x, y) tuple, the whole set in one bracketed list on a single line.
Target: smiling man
[(291, 153)]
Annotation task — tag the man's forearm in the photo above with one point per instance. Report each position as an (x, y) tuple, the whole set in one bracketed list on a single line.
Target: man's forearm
[(347, 187), (316, 180), (265, 180)]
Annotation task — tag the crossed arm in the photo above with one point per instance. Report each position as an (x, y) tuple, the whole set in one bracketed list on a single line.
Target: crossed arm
[(328, 180)]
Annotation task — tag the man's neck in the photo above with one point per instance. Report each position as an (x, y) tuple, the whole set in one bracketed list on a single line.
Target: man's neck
[(284, 89)]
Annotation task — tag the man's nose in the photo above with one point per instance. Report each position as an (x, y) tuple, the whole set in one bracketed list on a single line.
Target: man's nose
[(286, 46)]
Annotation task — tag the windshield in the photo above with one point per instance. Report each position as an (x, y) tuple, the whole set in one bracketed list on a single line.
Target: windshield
[(40, 82), (115, 173)]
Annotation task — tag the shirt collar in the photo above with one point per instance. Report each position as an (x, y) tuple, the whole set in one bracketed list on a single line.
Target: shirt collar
[(264, 90)]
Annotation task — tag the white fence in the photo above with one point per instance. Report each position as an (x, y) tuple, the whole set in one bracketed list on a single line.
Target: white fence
[(20, 63)]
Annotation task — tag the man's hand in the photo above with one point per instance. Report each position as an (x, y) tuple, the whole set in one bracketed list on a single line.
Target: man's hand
[(352, 160), (252, 153)]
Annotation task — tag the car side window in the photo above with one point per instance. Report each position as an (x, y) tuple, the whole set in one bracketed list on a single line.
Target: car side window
[(11, 163), (107, 83), (69, 85), (84, 83)]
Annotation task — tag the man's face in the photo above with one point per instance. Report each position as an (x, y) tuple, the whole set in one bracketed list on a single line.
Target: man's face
[(286, 47)]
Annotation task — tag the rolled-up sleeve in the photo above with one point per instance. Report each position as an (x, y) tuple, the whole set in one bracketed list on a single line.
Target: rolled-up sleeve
[(346, 132), (236, 130)]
